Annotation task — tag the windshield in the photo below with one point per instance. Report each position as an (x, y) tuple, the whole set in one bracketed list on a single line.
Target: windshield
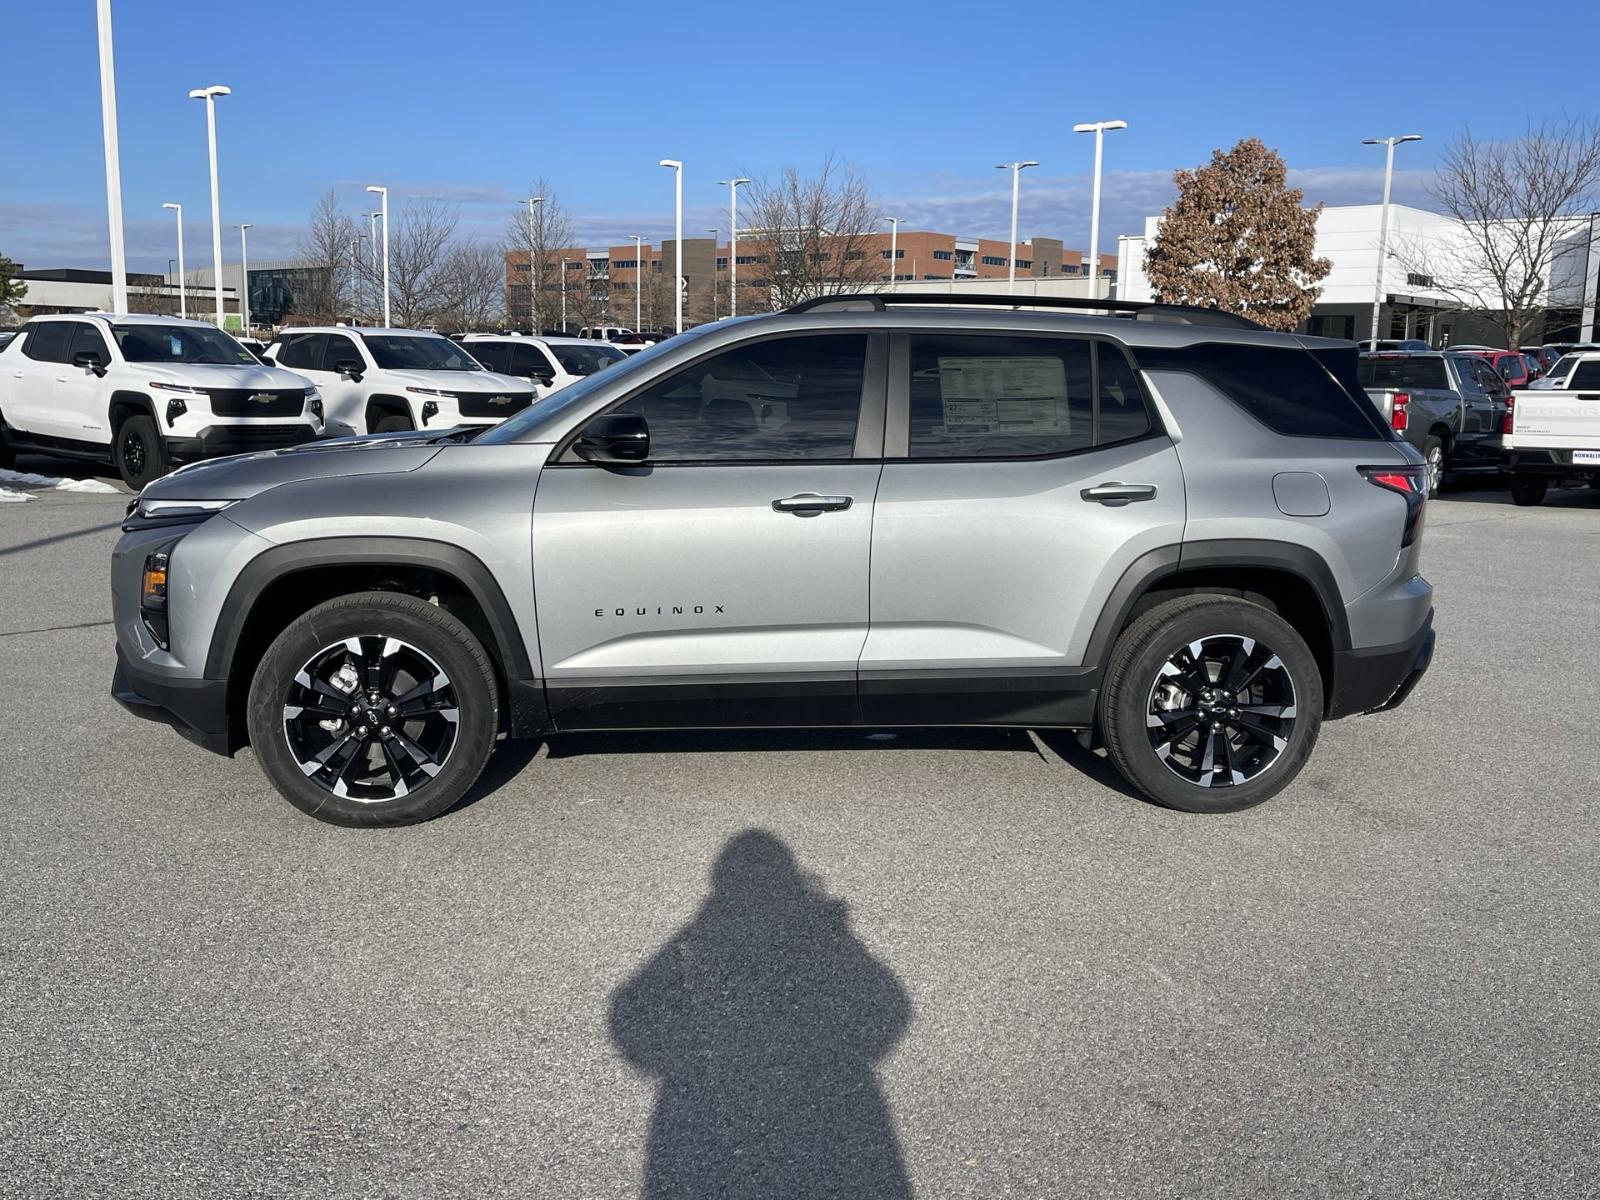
[(418, 352), (1402, 372), (180, 344), (635, 369), (586, 360)]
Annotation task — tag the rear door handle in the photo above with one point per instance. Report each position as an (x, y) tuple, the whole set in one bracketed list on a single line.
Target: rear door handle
[(810, 502), (1115, 495)]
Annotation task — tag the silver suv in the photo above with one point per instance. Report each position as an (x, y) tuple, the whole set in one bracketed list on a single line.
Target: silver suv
[(1184, 537)]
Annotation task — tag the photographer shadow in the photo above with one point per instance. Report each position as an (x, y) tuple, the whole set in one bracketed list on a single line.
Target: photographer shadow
[(761, 1021)]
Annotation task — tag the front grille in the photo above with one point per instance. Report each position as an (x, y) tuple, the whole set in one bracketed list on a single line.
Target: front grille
[(265, 433), (247, 402), (492, 404)]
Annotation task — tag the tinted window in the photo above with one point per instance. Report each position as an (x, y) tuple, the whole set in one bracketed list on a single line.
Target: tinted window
[(1286, 389), (86, 339), (1586, 377), (999, 397), (1123, 415), (341, 349), (48, 341), (419, 352), (530, 361), (788, 398), (180, 344), (585, 360), (1402, 373), (1468, 377), (1488, 379), (302, 352), (494, 355)]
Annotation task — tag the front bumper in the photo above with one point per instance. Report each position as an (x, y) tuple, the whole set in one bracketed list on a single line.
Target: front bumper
[(215, 441), (196, 708), (1378, 679)]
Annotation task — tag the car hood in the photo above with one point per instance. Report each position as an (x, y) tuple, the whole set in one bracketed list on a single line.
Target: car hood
[(207, 375), (244, 475), (458, 381)]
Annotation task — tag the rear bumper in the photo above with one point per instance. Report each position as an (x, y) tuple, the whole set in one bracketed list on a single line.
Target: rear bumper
[(1378, 679), (196, 708), (214, 441), (1556, 464)]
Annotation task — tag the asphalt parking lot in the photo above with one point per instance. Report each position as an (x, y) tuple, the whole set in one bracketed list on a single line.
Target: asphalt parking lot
[(960, 964)]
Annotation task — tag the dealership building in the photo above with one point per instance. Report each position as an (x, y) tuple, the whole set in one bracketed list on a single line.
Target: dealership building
[(1424, 249)]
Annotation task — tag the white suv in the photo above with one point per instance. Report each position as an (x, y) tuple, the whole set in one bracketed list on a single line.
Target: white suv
[(144, 392), (388, 380), (550, 362)]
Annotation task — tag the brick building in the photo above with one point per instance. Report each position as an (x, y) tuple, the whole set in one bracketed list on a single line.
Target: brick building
[(603, 284)]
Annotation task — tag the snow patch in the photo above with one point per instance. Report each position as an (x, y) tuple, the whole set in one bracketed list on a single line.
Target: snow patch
[(7, 496), (56, 483)]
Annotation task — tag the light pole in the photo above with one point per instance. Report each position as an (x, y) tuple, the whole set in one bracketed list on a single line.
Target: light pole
[(1591, 284), (1098, 128), (1383, 221), (1016, 170), (383, 211), (183, 304), (533, 263), (209, 95), (733, 242), (638, 280), (108, 130), (894, 245), (677, 232), (244, 282), (715, 233)]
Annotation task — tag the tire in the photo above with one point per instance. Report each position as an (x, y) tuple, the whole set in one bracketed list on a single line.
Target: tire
[(1262, 755), (138, 451), (412, 643), (8, 453), (391, 423), (1528, 490), (1433, 456)]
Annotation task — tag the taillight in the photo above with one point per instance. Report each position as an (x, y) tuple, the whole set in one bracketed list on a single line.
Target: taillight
[(1507, 421), (1410, 482), (1400, 416)]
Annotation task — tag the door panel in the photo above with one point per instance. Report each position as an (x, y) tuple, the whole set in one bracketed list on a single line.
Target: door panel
[(81, 408), (31, 390), (658, 587)]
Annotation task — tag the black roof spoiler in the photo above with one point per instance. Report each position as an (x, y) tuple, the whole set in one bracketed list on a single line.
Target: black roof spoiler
[(1184, 314)]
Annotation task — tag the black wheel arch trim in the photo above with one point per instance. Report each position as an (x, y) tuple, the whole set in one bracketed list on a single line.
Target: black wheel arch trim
[(275, 564), (137, 401), (1293, 559)]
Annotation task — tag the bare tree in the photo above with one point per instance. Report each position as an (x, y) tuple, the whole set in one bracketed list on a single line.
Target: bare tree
[(810, 236), (1238, 239), (326, 291), (474, 278), (1519, 205), (532, 244), (419, 257)]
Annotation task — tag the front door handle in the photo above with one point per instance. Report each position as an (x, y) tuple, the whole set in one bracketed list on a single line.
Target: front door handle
[(810, 502), (1115, 495)]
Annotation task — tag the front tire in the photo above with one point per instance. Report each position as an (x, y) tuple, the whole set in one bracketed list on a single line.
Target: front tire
[(374, 709), (1211, 704), (1528, 490), (140, 454)]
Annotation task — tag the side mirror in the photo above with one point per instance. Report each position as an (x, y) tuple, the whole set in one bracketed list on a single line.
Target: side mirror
[(618, 437), (348, 369), (88, 362), (544, 377)]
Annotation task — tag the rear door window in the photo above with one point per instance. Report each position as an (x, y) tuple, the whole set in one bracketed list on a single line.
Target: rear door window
[(48, 341), (999, 397), (303, 352)]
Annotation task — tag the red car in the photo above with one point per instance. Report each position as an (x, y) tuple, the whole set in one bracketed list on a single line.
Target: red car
[(1510, 365)]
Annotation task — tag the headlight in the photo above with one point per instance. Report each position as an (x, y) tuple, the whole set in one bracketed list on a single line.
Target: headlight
[(156, 509), (432, 392), (188, 389)]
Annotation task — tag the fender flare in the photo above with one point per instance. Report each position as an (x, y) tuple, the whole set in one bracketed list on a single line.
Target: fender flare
[(281, 561)]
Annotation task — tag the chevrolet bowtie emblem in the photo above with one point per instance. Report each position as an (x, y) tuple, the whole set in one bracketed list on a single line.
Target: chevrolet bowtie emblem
[(499, 399), (262, 398)]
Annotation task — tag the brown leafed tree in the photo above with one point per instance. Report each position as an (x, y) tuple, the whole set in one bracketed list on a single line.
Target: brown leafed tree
[(1520, 204), (816, 234), (1238, 238)]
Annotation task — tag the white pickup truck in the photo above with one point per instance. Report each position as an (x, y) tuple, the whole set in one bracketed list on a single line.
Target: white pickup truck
[(1555, 430)]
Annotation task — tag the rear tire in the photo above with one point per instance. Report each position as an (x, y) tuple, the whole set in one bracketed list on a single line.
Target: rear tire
[(8, 453), (139, 452), (1528, 490), (374, 709), (1433, 455), (1219, 731)]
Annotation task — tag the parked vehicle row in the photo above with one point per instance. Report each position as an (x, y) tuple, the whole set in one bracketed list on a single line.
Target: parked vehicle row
[(1451, 406), (1554, 433)]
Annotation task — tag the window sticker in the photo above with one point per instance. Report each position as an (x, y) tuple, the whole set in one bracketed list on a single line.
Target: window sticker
[(1011, 394), (174, 345)]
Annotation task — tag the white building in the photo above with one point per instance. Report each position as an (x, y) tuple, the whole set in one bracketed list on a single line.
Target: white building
[(1421, 246), (75, 289)]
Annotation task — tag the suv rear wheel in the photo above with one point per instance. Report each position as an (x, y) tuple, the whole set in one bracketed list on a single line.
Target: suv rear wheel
[(1211, 703), (138, 451), (374, 709)]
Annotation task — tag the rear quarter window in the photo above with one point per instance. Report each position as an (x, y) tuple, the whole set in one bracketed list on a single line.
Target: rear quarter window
[(1288, 389), (1402, 372)]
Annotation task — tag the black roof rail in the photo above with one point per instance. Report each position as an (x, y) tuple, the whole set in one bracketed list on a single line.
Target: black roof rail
[(1138, 310)]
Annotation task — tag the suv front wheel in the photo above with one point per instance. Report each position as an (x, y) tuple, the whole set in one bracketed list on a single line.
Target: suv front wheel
[(1211, 703), (374, 709)]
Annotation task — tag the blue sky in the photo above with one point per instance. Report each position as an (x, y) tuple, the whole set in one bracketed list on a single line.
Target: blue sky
[(470, 101)]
